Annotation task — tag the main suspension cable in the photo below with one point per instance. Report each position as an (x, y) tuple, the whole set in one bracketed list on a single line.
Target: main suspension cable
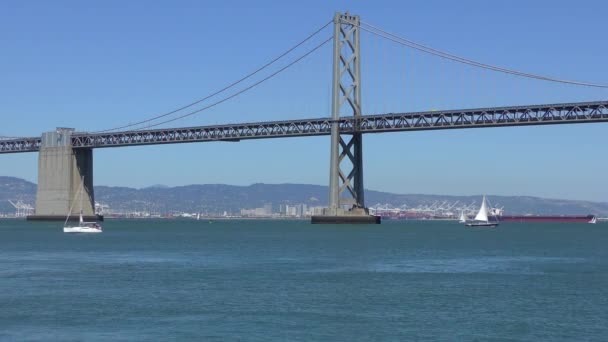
[(406, 42), (242, 90), (231, 85)]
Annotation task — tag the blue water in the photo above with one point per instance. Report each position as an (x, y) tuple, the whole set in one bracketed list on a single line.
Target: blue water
[(289, 280)]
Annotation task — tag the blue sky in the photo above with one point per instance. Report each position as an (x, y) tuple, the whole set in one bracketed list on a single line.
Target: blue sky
[(99, 65)]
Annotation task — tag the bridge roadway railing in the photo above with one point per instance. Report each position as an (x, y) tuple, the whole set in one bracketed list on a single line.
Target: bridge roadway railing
[(565, 113)]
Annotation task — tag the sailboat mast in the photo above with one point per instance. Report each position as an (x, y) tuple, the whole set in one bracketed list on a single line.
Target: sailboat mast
[(81, 199)]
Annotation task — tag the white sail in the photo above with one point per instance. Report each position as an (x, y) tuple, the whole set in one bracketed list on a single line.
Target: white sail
[(83, 227), (462, 218), (73, 202), (482, 215)]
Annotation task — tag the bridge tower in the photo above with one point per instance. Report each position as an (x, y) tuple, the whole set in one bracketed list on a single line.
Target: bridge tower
[(60, 168), (346, 154)]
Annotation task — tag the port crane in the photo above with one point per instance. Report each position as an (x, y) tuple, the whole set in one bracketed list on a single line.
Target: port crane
[(22, 209)]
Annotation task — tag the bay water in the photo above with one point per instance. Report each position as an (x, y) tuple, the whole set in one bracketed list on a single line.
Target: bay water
[(280, 280)]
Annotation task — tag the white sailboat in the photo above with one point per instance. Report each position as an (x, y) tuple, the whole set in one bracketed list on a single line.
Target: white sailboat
[(463, 217), (481, 219), (83, 227)]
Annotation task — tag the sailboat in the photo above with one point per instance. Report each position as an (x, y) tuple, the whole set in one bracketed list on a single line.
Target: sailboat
[(463, 217), (481, 219), (83, 227)]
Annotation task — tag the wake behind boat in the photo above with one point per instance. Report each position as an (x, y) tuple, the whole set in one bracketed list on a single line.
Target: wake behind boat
[(83, 227), (481, 219)]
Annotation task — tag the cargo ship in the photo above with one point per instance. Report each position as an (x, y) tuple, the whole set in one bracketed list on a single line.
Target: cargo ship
[(548, 218)]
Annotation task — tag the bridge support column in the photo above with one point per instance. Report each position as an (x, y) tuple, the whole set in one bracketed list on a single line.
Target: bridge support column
[(60, 168), (346, 152)]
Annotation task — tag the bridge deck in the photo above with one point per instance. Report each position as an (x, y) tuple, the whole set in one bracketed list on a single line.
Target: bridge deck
[(564, 113)]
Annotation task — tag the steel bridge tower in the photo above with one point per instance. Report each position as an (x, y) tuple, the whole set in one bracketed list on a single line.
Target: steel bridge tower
[(346, 154)]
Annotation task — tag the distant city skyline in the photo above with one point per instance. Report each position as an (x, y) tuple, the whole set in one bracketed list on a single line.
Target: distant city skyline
[(71, 64)]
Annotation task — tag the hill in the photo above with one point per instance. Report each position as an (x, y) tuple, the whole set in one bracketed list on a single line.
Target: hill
[(216, 198)]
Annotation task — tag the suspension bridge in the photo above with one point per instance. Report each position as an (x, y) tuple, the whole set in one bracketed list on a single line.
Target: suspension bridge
[(66, 155)]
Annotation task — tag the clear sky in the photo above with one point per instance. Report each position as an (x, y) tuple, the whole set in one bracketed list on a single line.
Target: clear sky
[(97, 65)]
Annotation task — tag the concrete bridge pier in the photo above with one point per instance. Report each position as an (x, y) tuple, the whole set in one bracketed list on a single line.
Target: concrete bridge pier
[(60, 168)]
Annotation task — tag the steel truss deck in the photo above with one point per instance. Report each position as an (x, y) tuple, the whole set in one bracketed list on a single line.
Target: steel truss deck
[(564, 113)]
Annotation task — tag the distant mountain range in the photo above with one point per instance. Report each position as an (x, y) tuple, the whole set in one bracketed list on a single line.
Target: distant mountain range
[(216, 198)]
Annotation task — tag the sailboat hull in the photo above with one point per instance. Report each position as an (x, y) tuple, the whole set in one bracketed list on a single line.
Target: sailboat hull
[(81, 230), (97, 218), (481, 224)]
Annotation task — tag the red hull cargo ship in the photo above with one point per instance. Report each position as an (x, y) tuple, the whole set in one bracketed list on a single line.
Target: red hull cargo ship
[(548, 218)]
